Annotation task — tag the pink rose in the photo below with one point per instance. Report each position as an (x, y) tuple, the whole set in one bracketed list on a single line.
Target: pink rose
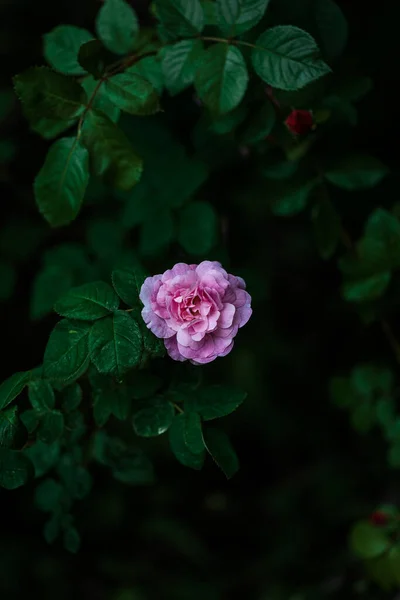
[(196, 309)]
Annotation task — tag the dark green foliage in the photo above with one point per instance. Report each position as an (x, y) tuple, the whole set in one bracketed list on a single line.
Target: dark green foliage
[(168, 141)]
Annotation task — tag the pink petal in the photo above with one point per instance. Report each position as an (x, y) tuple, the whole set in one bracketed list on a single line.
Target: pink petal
[(226, 316)]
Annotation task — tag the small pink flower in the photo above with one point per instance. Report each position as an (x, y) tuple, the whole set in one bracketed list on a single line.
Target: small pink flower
[(196, 309)]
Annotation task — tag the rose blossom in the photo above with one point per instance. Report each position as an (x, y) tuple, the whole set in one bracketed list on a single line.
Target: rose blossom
[(196, 309)]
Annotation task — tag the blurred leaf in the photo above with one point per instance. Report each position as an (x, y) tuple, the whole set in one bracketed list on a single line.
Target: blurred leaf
[(153, 417), (88, 302), (287, 58), (71, 537), (61, 183), (181, 18), (66, 357), (41, 395), (10, 428), (177, 439), (61, 47), (111, 154), (259, 125), (30, 420), (129, 465), (327, 227), (15, 469), (105, 239), (221, 78), (179, 63), (332, 28), (12, 387), (210, 12), (357, 172), (51, 427), (48, 495), (220, 448), (363, 418), (132, 93), (291, 198), (72, 397), (49, 284), (367, 274), (368, 541), (115, 344), (117, 26), (43, 456), (157, 232), (198, 228), (52, 528), (109, 398)]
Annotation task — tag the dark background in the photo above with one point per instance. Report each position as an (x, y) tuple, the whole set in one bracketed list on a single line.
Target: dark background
[(278, 530)]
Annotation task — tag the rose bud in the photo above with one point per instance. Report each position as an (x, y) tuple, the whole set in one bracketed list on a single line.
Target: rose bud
[(300, 122)]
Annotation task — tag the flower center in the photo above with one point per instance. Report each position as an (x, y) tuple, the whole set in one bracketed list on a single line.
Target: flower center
[(188, 305)]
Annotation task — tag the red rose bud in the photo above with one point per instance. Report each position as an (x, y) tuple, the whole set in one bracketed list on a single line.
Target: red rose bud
[(379, 518), (300, 122)]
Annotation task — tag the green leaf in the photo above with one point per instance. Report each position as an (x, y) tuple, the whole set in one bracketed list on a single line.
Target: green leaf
[(133, 94), (210, 12), (287, 58), (216, 401), (366, 288), (71, 540), (179, 64), (363, 418), (192, 433), (177, 438), (198, 228), (181, 18), (117, 26), (327, 227), (259, 125), (94, 58), (46, 94), (72, 397), (10, 428), (221, 450), (111, 154), (48, 495), (150, 69), (88, 302), (67, 352), (237, 16), (41, 395), (115, 344), (291, 198), (368, 541), (109, 398), (127, 283), (51, 427), (15, 469), (101, 102), (12, 387), (61, 183), (153, 417), (61, 47), (43, 457), (357, 172), (49, 284), (30, 420), (221, 78)]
